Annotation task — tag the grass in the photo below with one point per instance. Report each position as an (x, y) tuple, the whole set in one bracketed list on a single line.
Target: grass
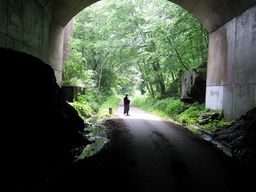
[(96, 132), (187, 115), (111, 102)]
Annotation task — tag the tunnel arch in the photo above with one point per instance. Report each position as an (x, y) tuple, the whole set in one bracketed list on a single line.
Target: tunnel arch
[(211, 13), (226, 87)]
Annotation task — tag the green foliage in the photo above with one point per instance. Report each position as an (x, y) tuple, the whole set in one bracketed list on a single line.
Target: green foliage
[(191, 115), (216, 124), (144, 102), (94, 104), (93, 99), (111, 102), (73, 66), (93, 148), (126, 45), (143, 44), (175, 106), (96, 131), (174, 88), (84, 110), (187, 115), (169, 106), (97, 135)]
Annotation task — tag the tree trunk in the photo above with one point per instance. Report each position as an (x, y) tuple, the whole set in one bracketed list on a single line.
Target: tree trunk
[(152, 90), (99, 79), (178, 55), (159, 79)]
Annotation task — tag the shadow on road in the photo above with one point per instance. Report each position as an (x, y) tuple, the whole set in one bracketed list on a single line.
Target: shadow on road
[(153, 163)]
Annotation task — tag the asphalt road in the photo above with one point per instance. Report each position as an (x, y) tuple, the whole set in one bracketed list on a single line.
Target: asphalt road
[(149, 154)]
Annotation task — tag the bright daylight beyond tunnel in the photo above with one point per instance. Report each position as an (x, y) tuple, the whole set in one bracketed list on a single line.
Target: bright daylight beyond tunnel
[(152, 49)]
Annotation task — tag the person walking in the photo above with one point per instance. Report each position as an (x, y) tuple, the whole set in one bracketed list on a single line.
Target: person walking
[(126, 104)]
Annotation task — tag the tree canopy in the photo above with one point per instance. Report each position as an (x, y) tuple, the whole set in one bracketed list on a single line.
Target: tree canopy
[(127, 45)]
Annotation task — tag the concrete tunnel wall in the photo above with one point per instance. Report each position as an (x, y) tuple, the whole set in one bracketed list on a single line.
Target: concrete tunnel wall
[(231, 73), (37, 27), (28, 26)]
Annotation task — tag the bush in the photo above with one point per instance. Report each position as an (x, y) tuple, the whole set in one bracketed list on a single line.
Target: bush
[(175, 106), (186, 114), (84, 110), (169, 106), (192, 114)]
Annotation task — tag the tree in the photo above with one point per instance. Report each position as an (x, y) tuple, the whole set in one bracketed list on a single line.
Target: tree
[(155, 38)]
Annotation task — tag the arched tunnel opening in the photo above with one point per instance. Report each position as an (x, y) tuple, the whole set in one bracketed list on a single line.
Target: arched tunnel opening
[(42, 128), (136, 56)]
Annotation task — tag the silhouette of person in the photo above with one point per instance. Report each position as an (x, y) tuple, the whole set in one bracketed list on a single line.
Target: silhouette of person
[(126, 104)]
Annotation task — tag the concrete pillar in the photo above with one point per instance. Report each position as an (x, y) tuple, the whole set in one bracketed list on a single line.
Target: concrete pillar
[(55, 49), (231, 73), (68, 33), (58, 46)]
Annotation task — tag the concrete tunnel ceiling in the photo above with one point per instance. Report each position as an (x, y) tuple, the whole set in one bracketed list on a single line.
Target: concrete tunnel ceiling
[(211, 13)]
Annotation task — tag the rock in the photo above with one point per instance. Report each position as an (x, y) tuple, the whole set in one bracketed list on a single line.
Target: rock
[(203, 121), (39, 127), (193, 86), (204, 116), (215, 116), (240, 137)]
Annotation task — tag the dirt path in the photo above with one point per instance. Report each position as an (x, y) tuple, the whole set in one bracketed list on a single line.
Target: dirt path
[(148, 154)]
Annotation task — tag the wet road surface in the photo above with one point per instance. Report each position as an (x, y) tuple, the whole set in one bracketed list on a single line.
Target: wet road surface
[(149, 154)]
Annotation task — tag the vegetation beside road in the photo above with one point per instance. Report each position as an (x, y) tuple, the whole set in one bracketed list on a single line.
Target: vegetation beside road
[(195, 116)]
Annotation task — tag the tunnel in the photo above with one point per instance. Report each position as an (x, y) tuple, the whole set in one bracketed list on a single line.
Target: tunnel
[(32, 39)]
